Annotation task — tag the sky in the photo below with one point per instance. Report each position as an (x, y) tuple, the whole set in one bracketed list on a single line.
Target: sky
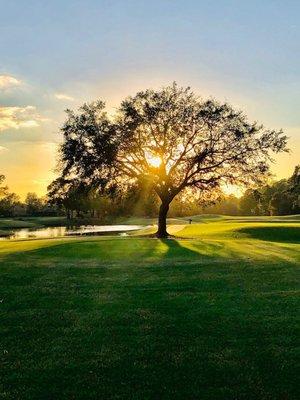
[(59, 54)]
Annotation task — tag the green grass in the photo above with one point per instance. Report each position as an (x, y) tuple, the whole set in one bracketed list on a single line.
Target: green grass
[(31, 222), (210, 315), (14, 223)]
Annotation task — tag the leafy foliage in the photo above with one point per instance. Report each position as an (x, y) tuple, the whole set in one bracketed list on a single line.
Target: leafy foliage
[(89, 147), (171, 139), (201, 144), (280, 198)]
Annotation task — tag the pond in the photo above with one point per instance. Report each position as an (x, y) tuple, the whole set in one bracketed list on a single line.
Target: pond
[(83, 230)]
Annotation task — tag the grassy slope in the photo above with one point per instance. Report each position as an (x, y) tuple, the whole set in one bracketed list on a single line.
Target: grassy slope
[(212, 315), (37, 222), (31, 222)]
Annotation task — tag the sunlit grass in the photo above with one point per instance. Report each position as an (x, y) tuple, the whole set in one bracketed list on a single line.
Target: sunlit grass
[(225, 239), (211, 314)]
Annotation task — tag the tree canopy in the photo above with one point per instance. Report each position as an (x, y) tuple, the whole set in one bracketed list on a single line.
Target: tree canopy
[(170, 138)]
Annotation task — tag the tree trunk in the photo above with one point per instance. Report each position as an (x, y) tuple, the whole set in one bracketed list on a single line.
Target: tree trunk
[(68, 214), (162, 220)]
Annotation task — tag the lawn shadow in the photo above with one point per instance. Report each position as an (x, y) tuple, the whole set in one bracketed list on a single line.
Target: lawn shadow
[(107, 251), (283, 234), (179, 250)]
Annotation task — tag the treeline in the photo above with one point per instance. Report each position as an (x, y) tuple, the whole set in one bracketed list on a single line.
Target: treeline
[(12, 206), (75, 200), (279, 198)]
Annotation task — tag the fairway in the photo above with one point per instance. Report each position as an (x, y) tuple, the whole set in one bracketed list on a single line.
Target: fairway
[(209, 314)]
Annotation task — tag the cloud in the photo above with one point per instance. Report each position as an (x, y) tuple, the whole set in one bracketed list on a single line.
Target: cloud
[(19, 117), (3, 149), (63, 96), (8, 82)]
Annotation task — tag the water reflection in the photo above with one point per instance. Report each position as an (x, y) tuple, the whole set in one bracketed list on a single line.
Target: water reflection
[(87, 230)]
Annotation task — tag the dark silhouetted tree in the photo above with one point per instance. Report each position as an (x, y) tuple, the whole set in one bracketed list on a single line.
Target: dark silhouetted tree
[(173, 140)]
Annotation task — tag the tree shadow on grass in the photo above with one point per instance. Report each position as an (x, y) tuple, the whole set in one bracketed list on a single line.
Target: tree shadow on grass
[(284, 234), (177, 250), (115, 251), (190, 251)]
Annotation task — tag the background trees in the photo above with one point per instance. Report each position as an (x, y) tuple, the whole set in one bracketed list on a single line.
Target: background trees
[(9, 202), (277, 198), (12, 206), (33, 204)]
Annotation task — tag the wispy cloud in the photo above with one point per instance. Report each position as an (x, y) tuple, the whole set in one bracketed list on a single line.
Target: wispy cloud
[(8, 82), (19, 117), (63, 96), (3, 149)]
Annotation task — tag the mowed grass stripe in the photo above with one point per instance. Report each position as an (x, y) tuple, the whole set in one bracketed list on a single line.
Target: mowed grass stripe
[(210, 315)]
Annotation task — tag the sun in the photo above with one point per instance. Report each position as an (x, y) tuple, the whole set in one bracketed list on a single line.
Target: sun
[(153, 161), (236, 190)]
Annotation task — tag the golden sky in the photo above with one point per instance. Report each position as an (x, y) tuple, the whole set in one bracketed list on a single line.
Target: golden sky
[(29, 139), (246, 53)]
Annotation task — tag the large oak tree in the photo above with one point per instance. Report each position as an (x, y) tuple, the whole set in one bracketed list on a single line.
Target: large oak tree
[(171, 138)]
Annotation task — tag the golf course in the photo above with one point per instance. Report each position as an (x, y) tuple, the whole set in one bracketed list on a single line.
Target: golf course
[(210, 313)]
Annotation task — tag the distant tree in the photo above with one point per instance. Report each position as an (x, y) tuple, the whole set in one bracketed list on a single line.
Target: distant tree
[(284, 196), (77, 198), (277, 198), (3, 189), (172, 139), (63, 193), (294, 189), (224, 205), (34, 204), (8, 201), (250, 202), (10, 205), (138, 199)]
